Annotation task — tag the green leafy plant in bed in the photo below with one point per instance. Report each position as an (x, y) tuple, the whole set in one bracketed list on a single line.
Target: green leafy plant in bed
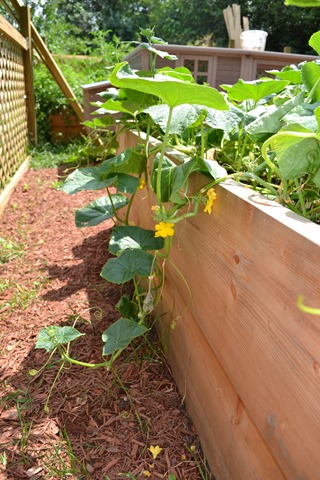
[(139, 255), (264, 134)]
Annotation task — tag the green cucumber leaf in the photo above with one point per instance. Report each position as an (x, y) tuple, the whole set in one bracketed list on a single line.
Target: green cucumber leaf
[(133, 237), (120, 334), (169, 89), (310, 76), (255, 90), (183, 117), (314, 40), (99, 210), (130, 263), (51, 337), (126, 307)]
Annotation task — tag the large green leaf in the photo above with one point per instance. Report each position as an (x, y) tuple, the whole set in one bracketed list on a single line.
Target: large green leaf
[(291, 73), (129, 161), (159, 53), (99, 210), (96, 178), (126, 183), (270, 121), (300, 158), (213, 168), (298, 153), (183, 116), (227, 121), (126, 307), (120, 334), (170, 90), (102, 122), (127, 265), (133, 102), (255, 90), (182, 73), (310, 76), (133, 237), (300, 116), (180, 178), (314, 40), (86, 179), (51, 337)]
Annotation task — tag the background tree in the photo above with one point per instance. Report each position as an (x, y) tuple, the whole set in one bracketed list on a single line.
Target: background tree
[(180, 21), (177, 21)]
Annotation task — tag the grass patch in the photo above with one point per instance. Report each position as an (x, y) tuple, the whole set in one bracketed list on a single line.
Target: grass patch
[(50, 155), (9, 250), (21, 296)]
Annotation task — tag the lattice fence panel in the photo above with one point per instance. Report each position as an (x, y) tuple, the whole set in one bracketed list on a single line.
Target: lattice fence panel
[(13, 110)]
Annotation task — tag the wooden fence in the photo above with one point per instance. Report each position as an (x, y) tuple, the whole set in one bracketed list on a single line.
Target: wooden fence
[(17, 104), (14, 120)]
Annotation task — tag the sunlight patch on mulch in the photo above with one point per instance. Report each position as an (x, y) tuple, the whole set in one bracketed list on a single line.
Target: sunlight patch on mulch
[(100, 423)]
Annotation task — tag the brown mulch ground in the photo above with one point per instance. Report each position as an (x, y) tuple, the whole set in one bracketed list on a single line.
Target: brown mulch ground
[(99, 424)]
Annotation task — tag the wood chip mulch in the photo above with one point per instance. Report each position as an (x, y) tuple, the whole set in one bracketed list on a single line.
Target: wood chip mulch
[(100, 423)]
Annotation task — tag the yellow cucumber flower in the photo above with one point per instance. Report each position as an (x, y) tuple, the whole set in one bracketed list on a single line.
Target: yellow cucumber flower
[(211, 196), (164, 229), (154, 451), (142, 184)]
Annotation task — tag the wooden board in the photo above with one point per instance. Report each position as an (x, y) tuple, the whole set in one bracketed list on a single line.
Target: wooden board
[(6, 193), (246, 264), (9, 30)]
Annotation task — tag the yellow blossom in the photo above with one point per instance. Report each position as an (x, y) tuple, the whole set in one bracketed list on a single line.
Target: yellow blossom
[(164, 229), (155, 208), (142, 184), (147, 473), (154, 451), (211, 194)]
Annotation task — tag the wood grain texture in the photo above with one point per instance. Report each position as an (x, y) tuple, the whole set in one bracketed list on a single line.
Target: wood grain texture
[(229, 437), (6, 193), (10, 31), (246, 264), (25, 27)]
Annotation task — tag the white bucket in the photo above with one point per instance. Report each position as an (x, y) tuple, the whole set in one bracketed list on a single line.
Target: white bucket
[(253, 39)]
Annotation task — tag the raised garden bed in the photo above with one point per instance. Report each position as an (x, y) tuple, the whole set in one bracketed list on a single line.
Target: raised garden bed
[(245, 357), (65, 125)]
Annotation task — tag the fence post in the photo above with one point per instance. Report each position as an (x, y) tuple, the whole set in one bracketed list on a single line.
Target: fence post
[(25, 28)]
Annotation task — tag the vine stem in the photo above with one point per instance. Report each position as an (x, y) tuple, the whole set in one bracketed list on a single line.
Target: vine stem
[(305, 308), (66, 358), (240, 155), (313, 89), (301, 198), (46, 407), (162, 152)]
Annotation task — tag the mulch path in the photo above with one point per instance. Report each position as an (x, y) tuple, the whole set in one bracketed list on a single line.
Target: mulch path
[(100, 423)]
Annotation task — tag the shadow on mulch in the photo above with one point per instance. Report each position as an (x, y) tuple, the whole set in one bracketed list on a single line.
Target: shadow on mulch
[(100, 423), (93, 253)]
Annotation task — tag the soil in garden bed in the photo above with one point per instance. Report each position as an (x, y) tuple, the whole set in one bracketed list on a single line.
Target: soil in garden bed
[(100, 423)]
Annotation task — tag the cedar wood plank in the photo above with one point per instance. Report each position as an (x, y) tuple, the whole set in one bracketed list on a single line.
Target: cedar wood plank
[(245, 279)]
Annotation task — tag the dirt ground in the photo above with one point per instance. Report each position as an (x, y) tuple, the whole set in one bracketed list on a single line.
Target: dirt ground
[(100, 423)]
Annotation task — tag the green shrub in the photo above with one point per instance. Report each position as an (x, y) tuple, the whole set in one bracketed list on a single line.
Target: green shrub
[(78, 70)]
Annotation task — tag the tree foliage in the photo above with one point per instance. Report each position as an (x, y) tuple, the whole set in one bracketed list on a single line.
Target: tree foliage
[(177, 21)]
